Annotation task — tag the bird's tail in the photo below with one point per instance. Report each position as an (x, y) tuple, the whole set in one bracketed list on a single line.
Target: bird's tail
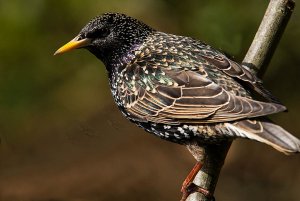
[(263, 130)]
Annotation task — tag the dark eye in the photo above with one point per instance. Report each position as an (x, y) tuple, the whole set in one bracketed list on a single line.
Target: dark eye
[(98, 33)]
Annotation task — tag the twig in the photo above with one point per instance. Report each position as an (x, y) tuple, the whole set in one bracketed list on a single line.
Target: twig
[(268, 35), (257, 58)]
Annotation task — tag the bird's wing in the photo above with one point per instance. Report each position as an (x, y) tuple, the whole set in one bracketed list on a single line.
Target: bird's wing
[(232, 69), (154, 91)]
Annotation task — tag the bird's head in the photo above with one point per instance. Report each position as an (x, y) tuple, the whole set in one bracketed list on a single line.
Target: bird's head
[(109, 36)]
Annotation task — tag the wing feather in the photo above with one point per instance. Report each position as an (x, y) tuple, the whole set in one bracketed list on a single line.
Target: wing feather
[(237, 71), (186, 87), (208, 103)]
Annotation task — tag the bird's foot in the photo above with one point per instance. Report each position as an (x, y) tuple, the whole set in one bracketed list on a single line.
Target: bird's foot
[(192, 188), (188, 187)]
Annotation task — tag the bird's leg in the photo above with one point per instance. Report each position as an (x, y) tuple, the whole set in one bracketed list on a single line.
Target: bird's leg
[(188, 187), (191, 176)]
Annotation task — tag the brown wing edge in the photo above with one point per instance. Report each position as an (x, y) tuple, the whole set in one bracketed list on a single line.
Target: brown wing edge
[(236, 70)]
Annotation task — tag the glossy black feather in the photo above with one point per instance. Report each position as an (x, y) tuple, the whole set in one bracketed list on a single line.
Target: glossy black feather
[(182, 89)]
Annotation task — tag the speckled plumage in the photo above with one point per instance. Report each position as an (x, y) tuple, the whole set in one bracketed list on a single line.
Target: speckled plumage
[(182, 89)]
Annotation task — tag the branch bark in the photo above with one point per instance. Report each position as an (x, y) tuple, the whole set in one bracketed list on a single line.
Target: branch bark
[(257, 59), (268, 35)]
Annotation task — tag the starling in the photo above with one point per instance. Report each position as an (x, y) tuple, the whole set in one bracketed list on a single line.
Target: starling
[(181, 89)]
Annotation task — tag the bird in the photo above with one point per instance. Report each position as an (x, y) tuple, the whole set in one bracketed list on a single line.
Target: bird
[(180, 88)]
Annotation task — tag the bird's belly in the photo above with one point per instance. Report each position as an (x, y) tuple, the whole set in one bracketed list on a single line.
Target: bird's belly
[(184, 133)]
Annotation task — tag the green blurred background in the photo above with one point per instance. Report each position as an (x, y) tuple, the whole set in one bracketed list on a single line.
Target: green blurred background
[(62, 137)]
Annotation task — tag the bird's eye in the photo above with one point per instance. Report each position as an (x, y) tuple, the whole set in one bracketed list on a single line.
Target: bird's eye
[(98, 33)]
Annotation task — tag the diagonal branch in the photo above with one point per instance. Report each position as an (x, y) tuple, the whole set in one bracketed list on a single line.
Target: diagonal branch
[(268, 35), (257, 58)]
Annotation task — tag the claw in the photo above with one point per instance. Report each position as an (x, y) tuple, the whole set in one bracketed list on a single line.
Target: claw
[(192, 188)]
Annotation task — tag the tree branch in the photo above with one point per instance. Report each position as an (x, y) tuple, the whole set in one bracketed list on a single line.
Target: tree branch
[(268, 35), (257, 58)]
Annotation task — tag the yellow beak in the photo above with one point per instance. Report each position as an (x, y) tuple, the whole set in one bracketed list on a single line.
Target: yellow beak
[(73, 44)]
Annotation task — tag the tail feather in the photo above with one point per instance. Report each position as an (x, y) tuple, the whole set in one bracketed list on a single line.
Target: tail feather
[(267, 132)]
